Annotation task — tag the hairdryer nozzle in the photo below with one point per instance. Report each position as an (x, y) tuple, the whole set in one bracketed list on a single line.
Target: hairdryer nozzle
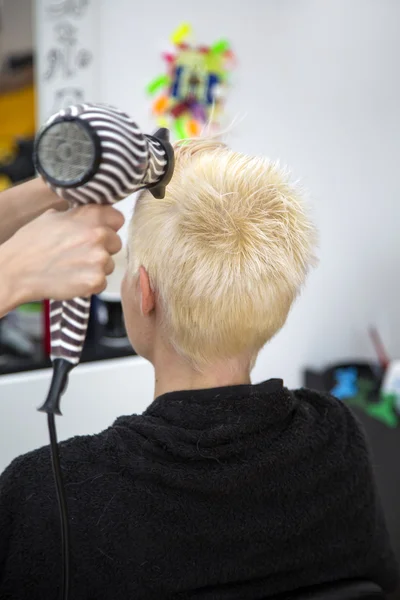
[(96, 153), (67, 152), (162, 136)]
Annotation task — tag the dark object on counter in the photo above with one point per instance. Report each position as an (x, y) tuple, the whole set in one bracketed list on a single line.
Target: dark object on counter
[(21, 167), (113, 330), (326, 380), (94, 349), (91, 353), (16, 62)]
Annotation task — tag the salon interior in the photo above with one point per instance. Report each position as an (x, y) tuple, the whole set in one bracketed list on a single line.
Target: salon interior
[(312, 83)]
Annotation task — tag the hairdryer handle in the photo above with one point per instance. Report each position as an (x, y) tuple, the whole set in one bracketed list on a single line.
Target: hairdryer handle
[(68, 324)]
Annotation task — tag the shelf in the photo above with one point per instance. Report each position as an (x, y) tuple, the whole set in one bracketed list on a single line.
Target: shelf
[(91, 353)]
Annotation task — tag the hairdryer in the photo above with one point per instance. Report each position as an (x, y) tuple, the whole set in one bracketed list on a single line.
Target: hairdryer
[(94, 153), (90, 153)]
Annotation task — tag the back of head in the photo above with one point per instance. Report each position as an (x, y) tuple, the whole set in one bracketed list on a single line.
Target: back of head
[(226, 250)]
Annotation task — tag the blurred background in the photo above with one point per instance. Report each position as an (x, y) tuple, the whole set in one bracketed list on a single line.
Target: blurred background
[(312, 83)]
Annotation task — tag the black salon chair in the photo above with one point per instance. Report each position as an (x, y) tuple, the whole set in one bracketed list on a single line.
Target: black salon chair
[(344, 590)]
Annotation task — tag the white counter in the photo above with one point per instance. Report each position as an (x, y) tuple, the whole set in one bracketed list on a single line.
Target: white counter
[(97, 394)]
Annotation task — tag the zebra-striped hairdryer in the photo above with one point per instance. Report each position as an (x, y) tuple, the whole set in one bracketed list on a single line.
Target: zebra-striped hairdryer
[(93, 153)]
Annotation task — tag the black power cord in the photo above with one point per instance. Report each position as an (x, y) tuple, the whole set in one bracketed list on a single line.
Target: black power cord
[(62, 506), (59, 381)]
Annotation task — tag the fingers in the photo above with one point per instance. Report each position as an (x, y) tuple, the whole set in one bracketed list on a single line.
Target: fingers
[(97, 240), (110, 266), (102, 265), (112, 242), (95, 276), (107, 239), (95, 284), (99, 216), (72, 254), (112, 218)]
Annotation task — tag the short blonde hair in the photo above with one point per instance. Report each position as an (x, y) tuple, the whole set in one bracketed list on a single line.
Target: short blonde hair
[(226, 250)]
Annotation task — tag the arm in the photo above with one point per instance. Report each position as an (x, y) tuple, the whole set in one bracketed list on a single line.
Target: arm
[(25, 202), (11, 293)]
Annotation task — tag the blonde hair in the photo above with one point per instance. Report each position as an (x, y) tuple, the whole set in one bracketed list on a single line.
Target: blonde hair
[(226, 250)]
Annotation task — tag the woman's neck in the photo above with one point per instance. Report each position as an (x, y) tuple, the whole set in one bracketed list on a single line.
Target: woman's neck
[(172, 373)]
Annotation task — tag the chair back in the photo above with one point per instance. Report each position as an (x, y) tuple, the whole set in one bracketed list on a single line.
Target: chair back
[(343, 590)]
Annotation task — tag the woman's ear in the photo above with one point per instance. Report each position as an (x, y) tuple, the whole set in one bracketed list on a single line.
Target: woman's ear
[(147, 296)]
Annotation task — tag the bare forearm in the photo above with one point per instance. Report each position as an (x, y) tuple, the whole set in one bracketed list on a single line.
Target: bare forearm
[(11, 284), (24, 202)]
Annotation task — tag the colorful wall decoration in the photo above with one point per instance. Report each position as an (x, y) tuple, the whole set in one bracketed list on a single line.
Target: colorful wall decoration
[(191, 92)]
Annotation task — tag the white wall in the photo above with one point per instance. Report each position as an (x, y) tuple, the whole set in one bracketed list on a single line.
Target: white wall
[(318, 81), (70, 82)]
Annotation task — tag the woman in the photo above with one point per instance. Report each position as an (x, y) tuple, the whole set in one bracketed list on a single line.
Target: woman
[(221, 489)]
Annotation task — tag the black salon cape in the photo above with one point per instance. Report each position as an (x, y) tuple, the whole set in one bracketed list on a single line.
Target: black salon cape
[(232, 493)]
